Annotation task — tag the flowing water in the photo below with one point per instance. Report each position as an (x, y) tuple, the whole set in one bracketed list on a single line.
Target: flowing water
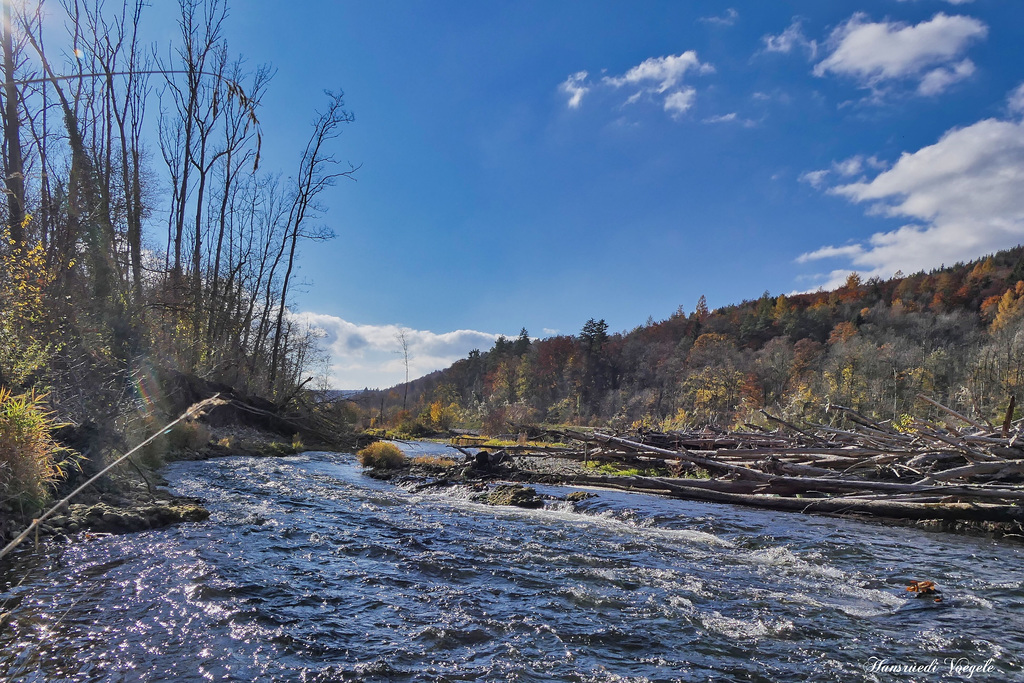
[(310, 571)]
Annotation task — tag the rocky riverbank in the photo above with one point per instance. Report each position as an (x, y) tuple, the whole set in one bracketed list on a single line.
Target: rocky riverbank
[(128, 517), (133, 498), (500, 479)]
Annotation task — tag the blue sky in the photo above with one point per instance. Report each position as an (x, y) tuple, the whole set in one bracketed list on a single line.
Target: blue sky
[(536, 164)]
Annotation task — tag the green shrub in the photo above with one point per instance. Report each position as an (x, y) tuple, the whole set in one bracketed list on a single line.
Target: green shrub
[(382, 455), (29, 457), (275, 449)]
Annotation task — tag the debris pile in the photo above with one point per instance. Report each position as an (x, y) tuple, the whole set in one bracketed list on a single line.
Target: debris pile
[(921, 470)]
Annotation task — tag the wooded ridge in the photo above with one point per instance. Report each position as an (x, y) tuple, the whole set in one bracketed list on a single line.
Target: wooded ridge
[(877, 346)]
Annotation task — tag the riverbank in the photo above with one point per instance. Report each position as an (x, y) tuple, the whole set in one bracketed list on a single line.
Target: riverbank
[(105, 471), (133, 498), (496, 470)]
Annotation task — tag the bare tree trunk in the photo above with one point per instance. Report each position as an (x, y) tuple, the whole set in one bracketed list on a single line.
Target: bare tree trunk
[(14, 171), (82, 191), (237, 133), (404, 343), (127, 114)]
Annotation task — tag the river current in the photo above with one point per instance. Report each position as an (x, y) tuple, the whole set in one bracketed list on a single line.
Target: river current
[(309, 571)]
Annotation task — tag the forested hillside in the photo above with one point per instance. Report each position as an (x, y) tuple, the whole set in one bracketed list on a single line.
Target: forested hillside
[(954, 334)]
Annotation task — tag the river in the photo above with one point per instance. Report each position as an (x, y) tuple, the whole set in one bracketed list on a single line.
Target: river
[(309, 571)]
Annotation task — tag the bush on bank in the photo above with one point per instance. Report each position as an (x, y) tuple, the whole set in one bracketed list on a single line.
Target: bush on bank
[(382, 455), (30, 460)]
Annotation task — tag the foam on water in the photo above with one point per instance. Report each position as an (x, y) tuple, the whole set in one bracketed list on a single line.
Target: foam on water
[(744, 629), (782, 559)]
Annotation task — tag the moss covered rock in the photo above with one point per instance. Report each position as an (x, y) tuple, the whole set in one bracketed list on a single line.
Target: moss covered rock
[(515, 495), (105, 518)]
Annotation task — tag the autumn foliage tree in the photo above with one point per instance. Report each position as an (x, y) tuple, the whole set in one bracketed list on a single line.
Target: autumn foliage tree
[(954, 334)]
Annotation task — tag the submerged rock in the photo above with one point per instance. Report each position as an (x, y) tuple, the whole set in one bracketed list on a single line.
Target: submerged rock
[(515, 495)]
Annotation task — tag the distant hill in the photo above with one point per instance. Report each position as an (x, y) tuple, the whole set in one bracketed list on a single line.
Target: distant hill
[(334, 394), (953, 334)]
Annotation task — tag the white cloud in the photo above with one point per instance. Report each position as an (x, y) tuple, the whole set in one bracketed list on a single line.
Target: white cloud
[(952, 2), (722, 118), (728, 19), (790, 39), (876, 53), (856, 164), (732, 117), (678, 102), (848, 251), (961, 196), (815, 179), (846, 168), (849, 167), (937, 80), (371, 355), (1015, 101), (657, 78), (574, 86), (658, 74)]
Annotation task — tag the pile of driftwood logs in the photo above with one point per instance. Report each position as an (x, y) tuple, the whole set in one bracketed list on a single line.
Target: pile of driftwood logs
[(958, 471)]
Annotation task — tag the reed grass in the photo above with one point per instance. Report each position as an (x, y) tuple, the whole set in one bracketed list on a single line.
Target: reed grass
[(30, 460)]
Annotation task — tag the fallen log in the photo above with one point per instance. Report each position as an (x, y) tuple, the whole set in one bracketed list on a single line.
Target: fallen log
[(772, 418), (932, 462), (796, 484), (687, 456), (970, 453), (950, 411), (1001, 468), (977, 512)]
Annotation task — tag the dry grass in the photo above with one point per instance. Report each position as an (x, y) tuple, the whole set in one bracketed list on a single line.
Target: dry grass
[(29, 457), (434, 460), (188, 435), (382, 455), (152, 454)]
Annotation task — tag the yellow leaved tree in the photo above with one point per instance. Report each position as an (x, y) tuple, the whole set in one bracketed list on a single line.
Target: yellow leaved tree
[(1010, 308), (28, 333)]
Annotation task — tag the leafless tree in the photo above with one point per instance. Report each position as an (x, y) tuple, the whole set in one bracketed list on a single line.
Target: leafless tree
[(318, 170)]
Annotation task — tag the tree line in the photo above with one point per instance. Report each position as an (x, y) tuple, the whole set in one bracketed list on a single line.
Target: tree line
[(954, 334), (140, 228)]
